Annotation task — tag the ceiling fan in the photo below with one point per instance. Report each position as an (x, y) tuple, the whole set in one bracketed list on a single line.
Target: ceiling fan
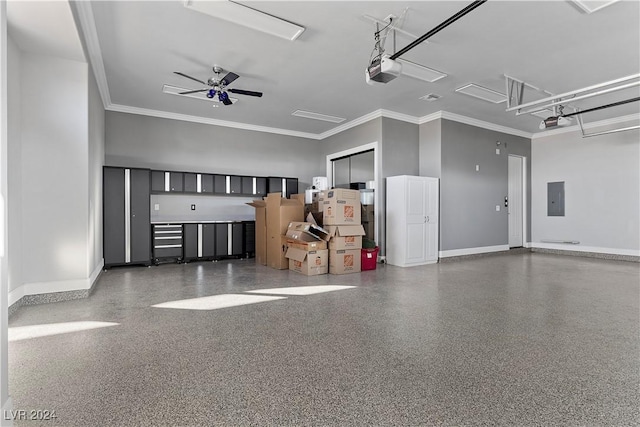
[(218, 86)]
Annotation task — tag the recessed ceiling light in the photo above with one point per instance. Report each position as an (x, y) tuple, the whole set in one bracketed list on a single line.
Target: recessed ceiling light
[(247, 16), (591, 6), (483, 93), (317, 116), (175, 90), (421, 72)]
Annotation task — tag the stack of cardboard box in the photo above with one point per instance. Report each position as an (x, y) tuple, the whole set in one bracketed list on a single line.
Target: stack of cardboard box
[(341, 216), (307, 248)]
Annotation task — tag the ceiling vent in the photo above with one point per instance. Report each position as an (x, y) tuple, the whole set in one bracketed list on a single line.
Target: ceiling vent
[(420, 72), (591, 6), (430, 97), (483, 93), (317, 116), (247, 16)]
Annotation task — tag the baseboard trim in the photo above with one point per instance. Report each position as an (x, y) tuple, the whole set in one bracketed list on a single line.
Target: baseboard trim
[(55, 291), (588, 252), (6, 409), (473, 251)]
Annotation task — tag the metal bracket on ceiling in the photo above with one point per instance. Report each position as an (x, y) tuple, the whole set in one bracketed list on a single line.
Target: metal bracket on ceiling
[(515, 90)]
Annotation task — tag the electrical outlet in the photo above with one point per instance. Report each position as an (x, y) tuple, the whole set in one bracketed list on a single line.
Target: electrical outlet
[(497, 208), (477, 168), (156, 207), (497, 151)]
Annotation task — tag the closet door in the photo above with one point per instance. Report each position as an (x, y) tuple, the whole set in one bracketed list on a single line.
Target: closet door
[(113, 212), (140, 233)]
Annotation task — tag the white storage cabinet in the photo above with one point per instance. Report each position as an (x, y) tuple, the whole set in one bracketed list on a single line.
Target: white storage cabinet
[(412, 220)]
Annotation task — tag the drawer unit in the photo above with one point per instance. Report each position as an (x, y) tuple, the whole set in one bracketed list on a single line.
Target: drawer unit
[(167, 242)]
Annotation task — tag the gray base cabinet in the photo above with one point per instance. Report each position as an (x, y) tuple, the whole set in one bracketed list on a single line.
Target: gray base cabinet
[(214, 241), (126, 216)]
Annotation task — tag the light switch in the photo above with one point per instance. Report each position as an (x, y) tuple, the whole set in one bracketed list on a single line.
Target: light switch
[(497, 151), (156, 207), (477, 168), (497, 208), (193, 207)]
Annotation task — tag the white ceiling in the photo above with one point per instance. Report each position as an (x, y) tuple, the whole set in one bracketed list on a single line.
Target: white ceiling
[(553, 45)]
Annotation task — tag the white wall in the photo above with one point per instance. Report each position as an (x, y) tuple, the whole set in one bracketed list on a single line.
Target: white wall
[(602, 191), (96, 161), (14, 168), (54, 165), (5, 400)]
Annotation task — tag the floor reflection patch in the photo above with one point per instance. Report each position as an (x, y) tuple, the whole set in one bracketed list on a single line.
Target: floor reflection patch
[(302, 290), (18, 333), (215, 302)]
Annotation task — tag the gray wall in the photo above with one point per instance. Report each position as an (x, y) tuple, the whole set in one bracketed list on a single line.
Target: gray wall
[(468, 198), (602, 189), (400, 156), (430, 136), (365, 133), (157, 143)]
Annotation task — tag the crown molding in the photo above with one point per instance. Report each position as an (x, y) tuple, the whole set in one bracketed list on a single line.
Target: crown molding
[(576, 128), (194, 119), (485, 125), (90, 33)]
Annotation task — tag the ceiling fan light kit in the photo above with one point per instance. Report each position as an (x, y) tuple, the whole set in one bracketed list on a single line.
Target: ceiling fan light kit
[(216, 86)]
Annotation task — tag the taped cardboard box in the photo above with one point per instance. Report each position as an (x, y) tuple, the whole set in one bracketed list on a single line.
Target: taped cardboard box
[(341, 206), (306, 232), (345, 236), (310, 263), (261, 230), (307, 246), (279, 213), (344, 261), (316, 201), (276, 253)]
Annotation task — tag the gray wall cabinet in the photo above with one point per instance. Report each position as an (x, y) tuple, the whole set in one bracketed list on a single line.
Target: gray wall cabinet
[(127, 237)]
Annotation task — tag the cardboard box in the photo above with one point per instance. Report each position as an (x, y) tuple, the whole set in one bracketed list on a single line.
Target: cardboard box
[(306, 232), (316, 201), (279, 213), (341, 206), (307, 246), (310, 263), (344, 261), (276, 253), (261, 230), (345, 236)]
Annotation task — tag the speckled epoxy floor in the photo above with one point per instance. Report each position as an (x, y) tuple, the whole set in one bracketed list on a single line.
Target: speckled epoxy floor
[(527, 339)]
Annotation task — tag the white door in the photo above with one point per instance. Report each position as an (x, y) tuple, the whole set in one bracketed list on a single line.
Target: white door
[(516, 202), (416, 240)]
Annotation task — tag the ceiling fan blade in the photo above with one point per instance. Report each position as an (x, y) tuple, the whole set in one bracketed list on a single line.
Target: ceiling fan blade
[(245, 92), (192, 91), (227, 101), (229, 78), (189, 77)]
